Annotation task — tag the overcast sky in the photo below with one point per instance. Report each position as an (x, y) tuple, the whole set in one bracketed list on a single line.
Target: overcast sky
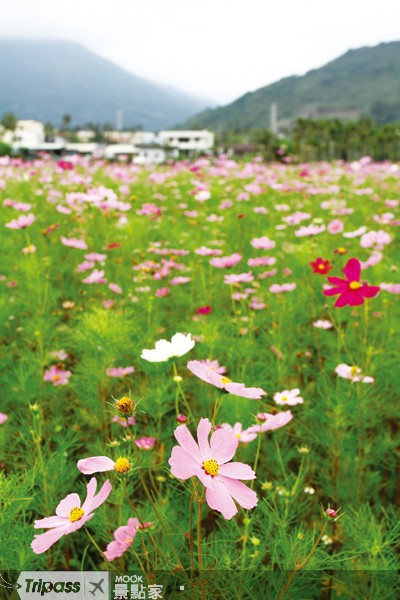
[(218, 49)]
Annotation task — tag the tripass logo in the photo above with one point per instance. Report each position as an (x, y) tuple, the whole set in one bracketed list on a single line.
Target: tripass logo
[(60, 585)]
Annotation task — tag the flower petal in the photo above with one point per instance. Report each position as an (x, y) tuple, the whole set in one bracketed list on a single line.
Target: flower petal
[(218, 498), (67, 504), (51, 522), (223, 445), (44, 541), (186, 440), (93, 501), (369, 291), (182, 463), (243, 495), (352, 270), (237, 470), (203, 431), (95, 464)]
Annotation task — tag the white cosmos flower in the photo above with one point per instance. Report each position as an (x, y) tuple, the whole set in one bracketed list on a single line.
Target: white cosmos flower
[(179, 345), (290, 397), (323, 324)]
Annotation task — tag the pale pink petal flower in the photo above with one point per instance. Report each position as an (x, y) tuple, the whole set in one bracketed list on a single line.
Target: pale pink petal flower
[(3, 418), (123, 539), (289, 397), (70, 516), (208, 461), (223, 383)]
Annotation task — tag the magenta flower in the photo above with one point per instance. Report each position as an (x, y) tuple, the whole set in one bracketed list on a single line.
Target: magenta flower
[(123, 538), (22, 222), (223, 383), (209, 461), (70, 516), (226, 262), (57, 376), (351, 291)]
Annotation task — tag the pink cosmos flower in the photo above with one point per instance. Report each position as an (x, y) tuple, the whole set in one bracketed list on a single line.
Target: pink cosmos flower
[(355, 233), (223, 383), (84, 266), (123, 421), (123, 538), (392, 288), (57, 376), (260, 261), (351, 291), (204, 251), (243, 435), (145, 443), (31, 249), (180, 280), (263, 243), (120, 371), (238, 278), (214, 365), (271, 422), (100, 464), (352, 373), (114, 287), (285, 287), (289, 397), (3, 418), (162, 292), (372, 260), (209, 461), (335, 226), (70, 516), (95, 276), (74, 243), (268, 274), (375, 239), (22, 222), (226, 262), (312, 229), (96, 257)]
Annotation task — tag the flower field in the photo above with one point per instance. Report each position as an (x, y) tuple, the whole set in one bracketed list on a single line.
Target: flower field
[(200, 374)]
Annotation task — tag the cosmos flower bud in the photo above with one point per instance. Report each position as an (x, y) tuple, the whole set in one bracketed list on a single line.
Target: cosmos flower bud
[(181, 418)]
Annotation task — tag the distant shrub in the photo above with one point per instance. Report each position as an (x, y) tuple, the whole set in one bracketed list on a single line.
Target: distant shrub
[(5, 149)]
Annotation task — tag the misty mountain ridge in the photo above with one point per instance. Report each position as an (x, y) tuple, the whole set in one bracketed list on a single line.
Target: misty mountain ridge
[(45, 80)]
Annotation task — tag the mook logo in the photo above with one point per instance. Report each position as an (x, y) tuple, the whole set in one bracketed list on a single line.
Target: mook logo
[(63, 585)]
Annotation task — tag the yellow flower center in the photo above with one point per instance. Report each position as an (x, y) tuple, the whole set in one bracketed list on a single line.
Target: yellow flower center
[(284, 399), (354, 285), (125, 405), (56, 378), (211, 467), (76, 514), (128, 540), (354, 371), (321, 266), (342, 250), (238, 436), (122, 465), (225, 380)]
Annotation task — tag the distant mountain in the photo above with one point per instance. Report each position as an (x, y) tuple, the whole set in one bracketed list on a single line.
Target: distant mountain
[(362, 82), (46, 79)]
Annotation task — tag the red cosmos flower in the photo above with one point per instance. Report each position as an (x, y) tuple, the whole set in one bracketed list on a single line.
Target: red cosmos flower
[(204, 310), (321, 266), (112, 246), (351, 291)]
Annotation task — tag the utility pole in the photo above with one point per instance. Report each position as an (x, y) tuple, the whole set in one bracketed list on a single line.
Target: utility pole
[(274, 118)]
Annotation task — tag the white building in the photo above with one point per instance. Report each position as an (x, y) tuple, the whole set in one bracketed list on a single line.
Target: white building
[(188, 142), (28, 134), (149, 154)]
